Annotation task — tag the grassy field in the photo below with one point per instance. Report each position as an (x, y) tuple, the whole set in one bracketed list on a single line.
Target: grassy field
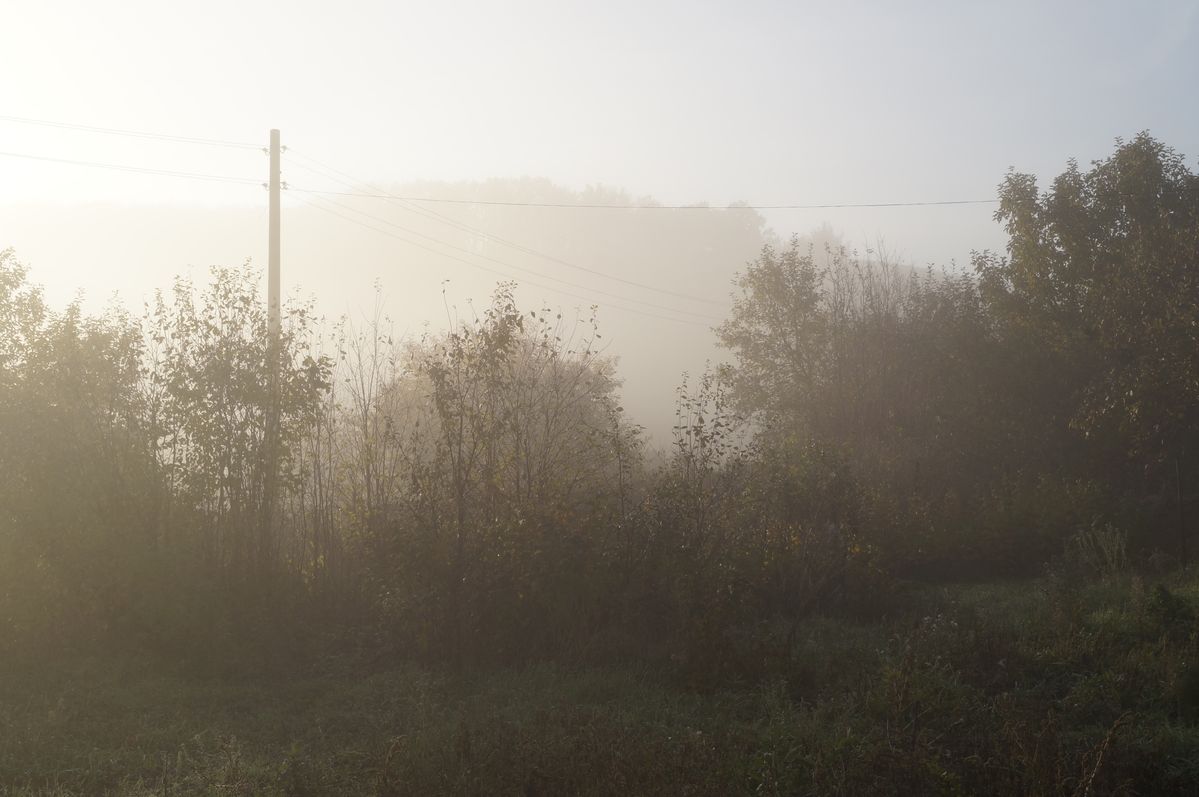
[(1046, 687)]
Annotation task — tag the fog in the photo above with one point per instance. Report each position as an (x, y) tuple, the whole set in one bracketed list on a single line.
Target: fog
[(669, 398), (783, 104), (655, 336), (431, 261)]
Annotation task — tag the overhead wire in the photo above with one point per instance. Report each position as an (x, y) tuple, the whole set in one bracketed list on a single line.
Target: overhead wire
[(617, 206), (136, 169), (408, 205), (145, 134), (509, 265), (250, 181), (481, 267), (116, 131), (506, 264)]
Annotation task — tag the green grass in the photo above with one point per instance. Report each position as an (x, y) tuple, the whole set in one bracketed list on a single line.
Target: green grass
[(110, 727), (1046, 687)]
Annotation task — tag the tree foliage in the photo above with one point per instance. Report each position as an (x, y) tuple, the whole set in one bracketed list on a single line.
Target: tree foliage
[(479, 494), (1103, 269), (210, 403)]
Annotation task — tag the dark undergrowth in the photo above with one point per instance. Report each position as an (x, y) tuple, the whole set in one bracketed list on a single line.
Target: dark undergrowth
[(1051, 687)]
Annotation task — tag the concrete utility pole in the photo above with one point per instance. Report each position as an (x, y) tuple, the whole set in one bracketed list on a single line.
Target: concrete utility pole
[(274, 327), (273, 256)]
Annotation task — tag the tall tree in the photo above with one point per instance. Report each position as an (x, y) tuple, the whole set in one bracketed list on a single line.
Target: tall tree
[(209, 401), (1102, 272)]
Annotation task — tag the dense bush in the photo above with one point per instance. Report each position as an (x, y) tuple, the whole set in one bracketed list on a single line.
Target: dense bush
[(479, 496)]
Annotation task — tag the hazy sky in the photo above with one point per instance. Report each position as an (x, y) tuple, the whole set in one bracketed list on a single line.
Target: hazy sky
[(766, 103)]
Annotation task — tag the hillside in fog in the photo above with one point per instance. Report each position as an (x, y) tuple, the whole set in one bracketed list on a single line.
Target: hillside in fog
[(613, 258)]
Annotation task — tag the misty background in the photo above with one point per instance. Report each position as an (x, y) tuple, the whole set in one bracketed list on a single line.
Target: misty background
[(768, 104)]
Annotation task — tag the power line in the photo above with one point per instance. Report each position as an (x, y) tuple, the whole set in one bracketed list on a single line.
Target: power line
[(406, 204), (595, 206), (519, 247), (115, 131), (506, 264), (472, 264), (502, 274), (136, 169), (144, 134)]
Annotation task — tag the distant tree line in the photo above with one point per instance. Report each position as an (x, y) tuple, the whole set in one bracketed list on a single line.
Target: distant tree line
[(479, 495)]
